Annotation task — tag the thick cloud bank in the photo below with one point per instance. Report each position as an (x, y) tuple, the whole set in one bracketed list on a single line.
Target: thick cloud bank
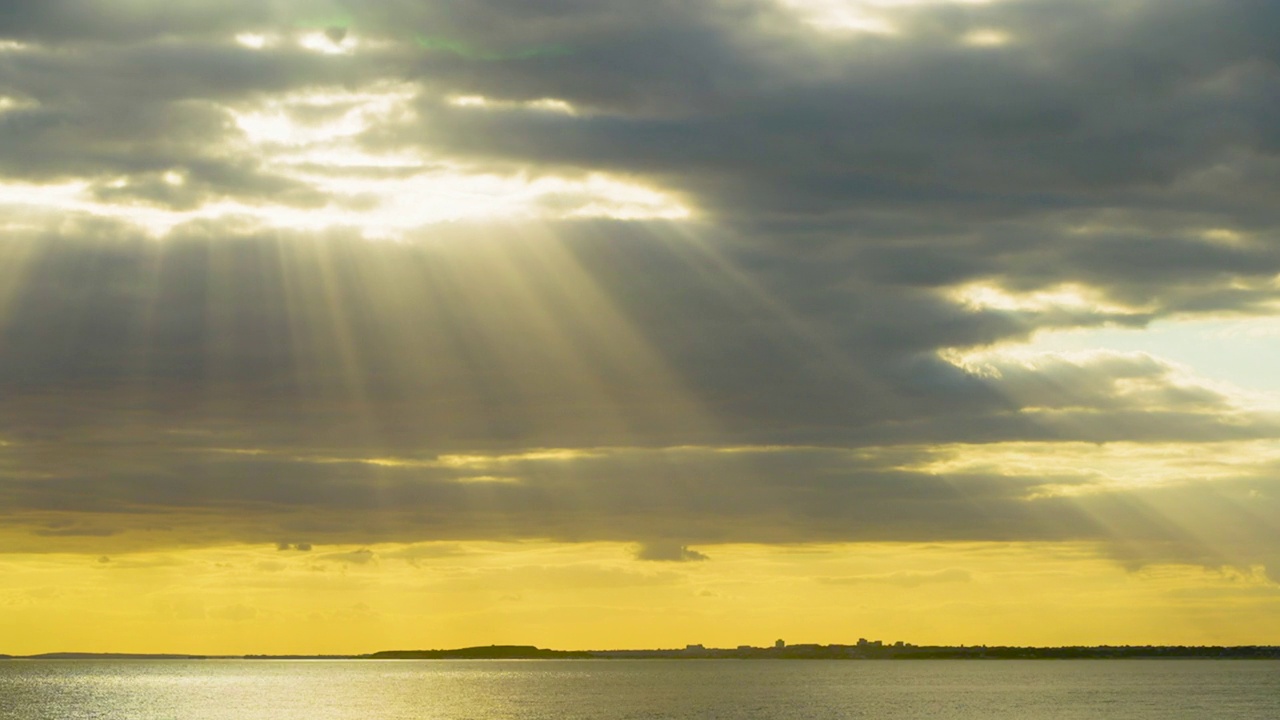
[(668, 273)]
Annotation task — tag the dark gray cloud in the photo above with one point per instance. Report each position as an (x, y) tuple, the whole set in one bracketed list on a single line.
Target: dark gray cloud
[(92, 22), (666, 498), (431, 346), (669, 552), (1063, 116)]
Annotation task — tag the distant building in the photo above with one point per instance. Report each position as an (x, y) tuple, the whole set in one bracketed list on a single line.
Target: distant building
[(780, 644)]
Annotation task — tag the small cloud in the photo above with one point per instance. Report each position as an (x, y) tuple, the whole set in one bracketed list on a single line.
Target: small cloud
[(74, 532), (669, 552), (301, 547), (426, 551), (335, 34), (104, 559), (362, 556), (235, 613), (904, 578)]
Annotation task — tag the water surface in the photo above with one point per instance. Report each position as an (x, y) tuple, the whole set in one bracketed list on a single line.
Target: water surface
[(637, 689)]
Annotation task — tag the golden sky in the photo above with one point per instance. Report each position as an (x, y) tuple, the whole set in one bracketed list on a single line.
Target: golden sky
[(335, 327)]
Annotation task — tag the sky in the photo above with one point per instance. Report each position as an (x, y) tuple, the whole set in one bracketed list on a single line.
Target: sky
[(333, 327)]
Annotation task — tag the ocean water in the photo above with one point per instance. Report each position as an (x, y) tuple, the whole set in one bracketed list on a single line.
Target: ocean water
[(637, 689)]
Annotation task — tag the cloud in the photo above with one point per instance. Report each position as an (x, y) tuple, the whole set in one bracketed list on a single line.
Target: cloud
[(711, 273), (669, 552), (414, 554), (235, 613), (53, 532), (363, 556), (904, 578)]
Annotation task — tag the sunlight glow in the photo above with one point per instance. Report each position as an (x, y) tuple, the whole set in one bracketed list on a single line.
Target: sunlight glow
[(1087, 468), (35, 195), (987, 38), (553, 105), (1165, 384), (858, 16), (1225, 236), (256, 41), (840, 16), (1236, 352), (9, 103), (482, 461), (1066, 296), (489, 479), (328, 44), (315, 139), (317, 151), (299, 119)]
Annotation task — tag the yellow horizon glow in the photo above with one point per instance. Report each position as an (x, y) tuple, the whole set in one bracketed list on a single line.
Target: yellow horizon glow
[(356, 599)]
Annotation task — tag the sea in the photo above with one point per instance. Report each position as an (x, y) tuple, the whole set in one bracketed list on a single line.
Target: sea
[(637, 689)]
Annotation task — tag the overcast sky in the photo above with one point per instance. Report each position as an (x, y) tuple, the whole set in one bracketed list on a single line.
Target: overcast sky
[(680, 294)]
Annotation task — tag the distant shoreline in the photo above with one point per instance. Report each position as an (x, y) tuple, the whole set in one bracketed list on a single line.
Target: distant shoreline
[(861, 651)]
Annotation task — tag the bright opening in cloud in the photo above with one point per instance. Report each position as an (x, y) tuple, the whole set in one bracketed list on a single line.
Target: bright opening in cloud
[(987, 38), (329, 42), (864, 16), (256, 41), (9, 103), (553, 105), (314, 138), (1066, 296), (1241, 351), (1084, 468)]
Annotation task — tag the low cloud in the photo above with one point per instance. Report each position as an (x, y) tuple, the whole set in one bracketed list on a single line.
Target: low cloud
[(904, 578), (71, 532), (364, 556), (235, 613), (668, 552)]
